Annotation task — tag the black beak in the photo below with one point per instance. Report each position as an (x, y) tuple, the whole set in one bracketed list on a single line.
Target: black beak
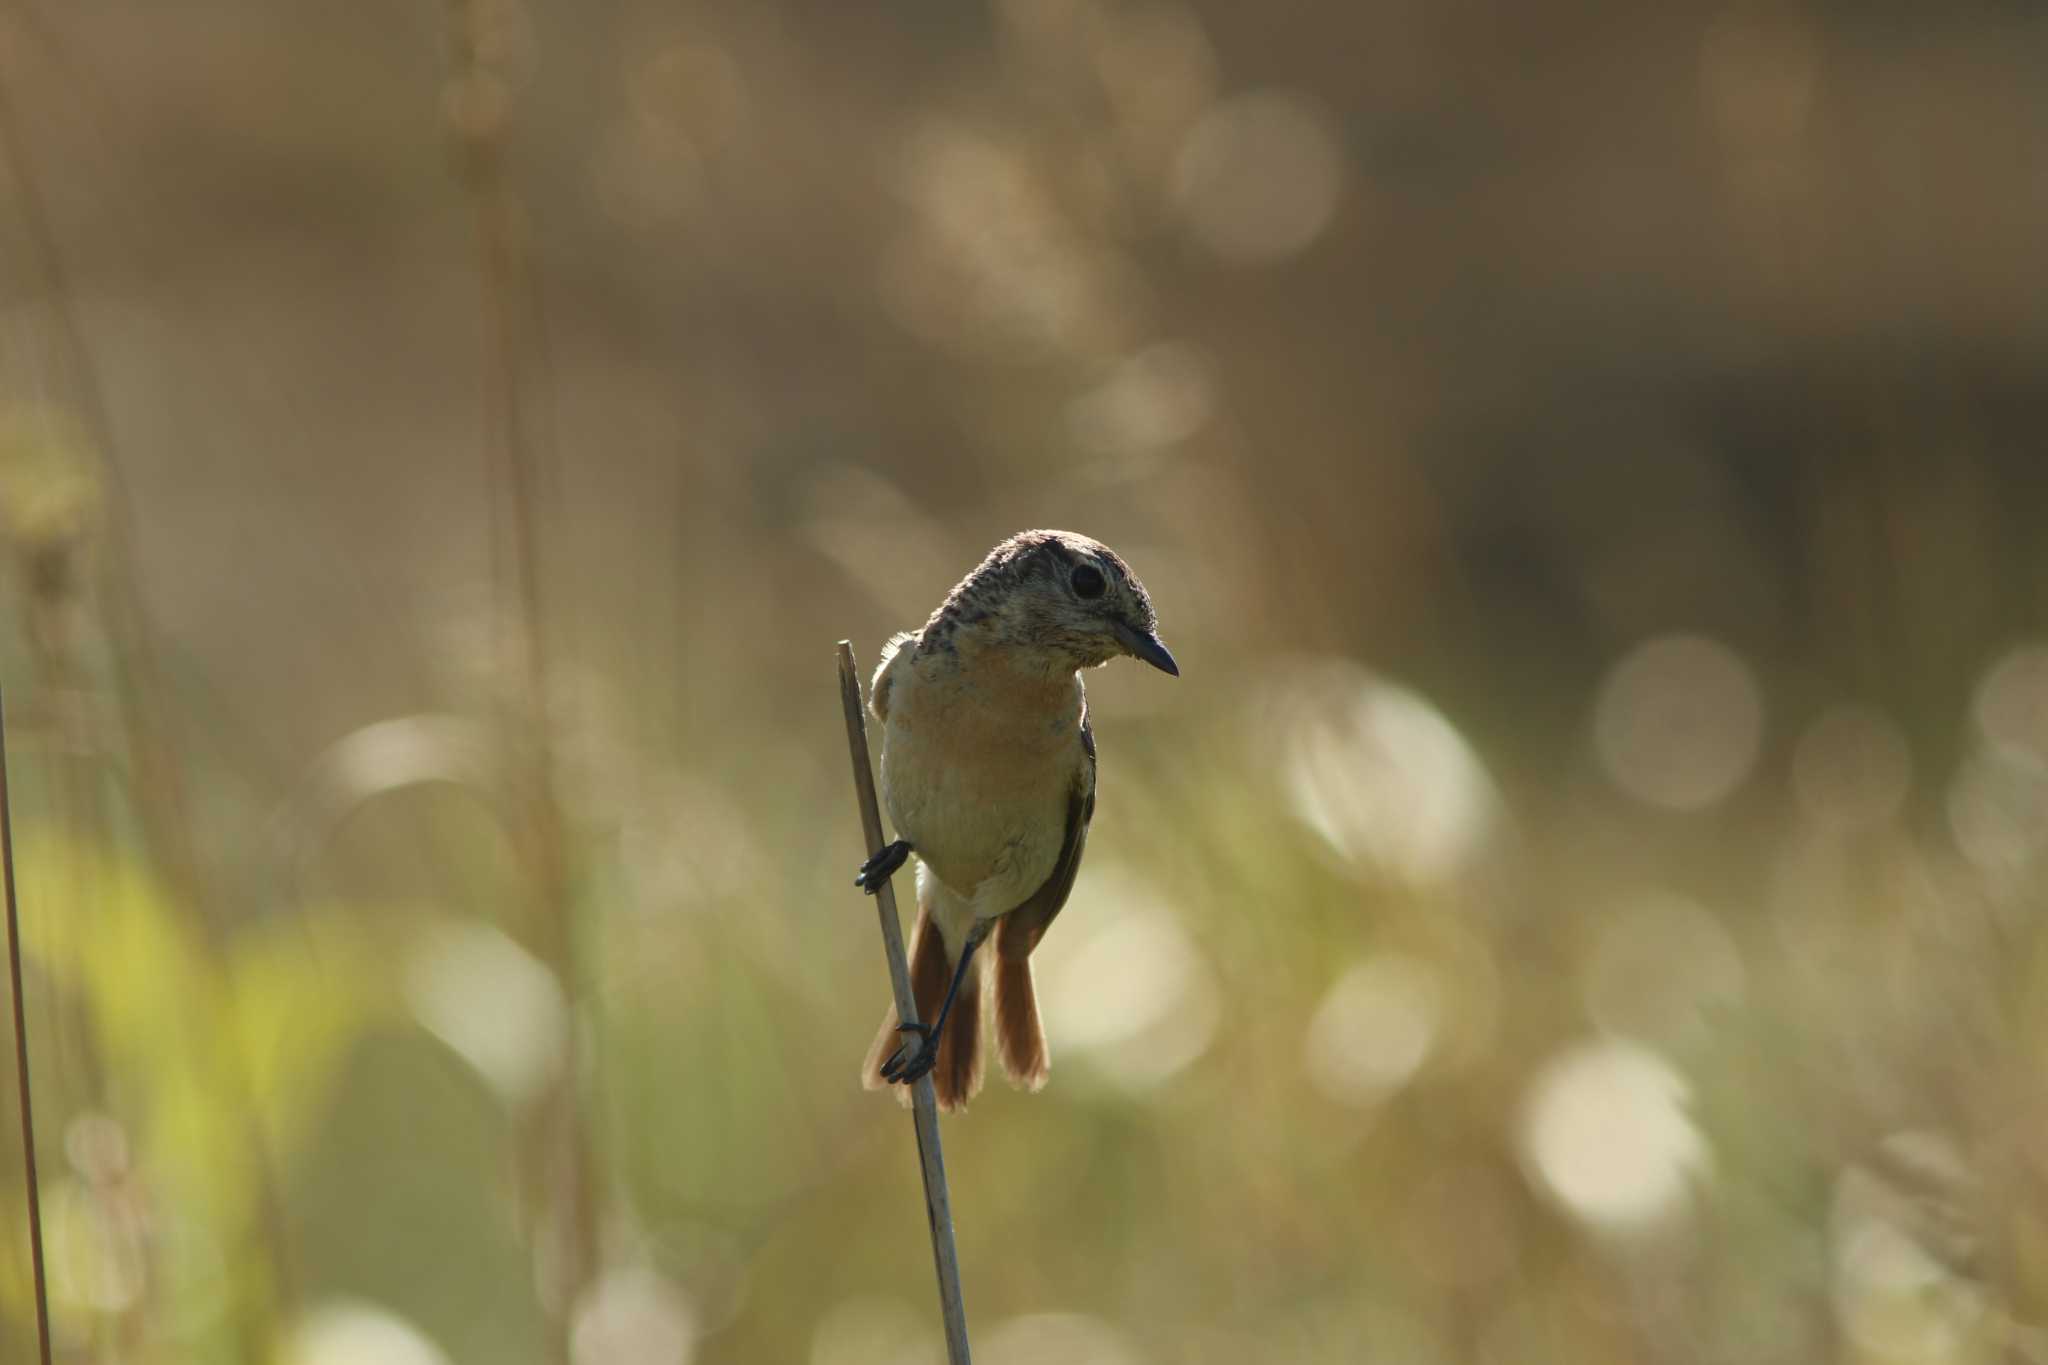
[(1146, 646)]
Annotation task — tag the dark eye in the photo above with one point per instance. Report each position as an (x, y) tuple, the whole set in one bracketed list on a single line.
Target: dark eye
[(1088, 582)]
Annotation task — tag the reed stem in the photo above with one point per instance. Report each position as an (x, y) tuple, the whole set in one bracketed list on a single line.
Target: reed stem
[(938, 1206)]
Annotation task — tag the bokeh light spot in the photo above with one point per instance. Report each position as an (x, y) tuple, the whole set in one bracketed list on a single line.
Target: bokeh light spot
[(1605, 1132), (1382, 775), (101, 1230), (493, 1003), (1258, 177), (1056, 1339), (2011, 702), (1678, 722), (874, 1331), (990, 262), (1998, 809), (354, 1333), (1892, 1295), (694, 88), (1374, 1030), (1152, 400), (633, 1313), (405, 751), (1136, 997)]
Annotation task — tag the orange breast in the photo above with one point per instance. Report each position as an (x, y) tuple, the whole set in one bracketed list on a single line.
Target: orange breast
[(976, 777)]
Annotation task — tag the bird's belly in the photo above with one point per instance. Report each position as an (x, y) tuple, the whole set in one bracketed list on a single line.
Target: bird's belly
[(990, 831)]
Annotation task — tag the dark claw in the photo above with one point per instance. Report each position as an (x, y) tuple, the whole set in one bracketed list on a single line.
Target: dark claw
[(904, 1064), (882, 866)]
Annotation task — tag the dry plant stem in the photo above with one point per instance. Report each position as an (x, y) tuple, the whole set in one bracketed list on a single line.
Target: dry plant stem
[(938, 1206), (28, 1126), (155, 769), (561, 1158)]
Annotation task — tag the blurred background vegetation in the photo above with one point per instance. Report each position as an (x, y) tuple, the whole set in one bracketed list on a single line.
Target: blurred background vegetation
[(1581, 903)]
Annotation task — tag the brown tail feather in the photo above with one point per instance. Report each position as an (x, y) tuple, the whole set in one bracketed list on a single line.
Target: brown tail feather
[(1020, 1036), (958, 1073)]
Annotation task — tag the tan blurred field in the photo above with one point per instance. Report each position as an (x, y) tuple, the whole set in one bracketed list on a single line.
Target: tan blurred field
[(1581, 903)]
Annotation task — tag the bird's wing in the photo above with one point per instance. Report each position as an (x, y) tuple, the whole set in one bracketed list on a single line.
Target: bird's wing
[(1023, 927)]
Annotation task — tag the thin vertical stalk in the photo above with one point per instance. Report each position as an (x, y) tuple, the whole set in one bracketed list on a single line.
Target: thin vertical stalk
[(158, 773), (515, 437), (938, 1205), (157, 782), (26, 1091)]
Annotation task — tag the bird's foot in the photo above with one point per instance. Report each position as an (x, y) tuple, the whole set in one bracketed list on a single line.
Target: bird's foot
[(882, 866), (914, 1059)]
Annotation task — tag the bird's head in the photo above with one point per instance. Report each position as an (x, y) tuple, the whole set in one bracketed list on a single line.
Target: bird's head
[(1065, 595)]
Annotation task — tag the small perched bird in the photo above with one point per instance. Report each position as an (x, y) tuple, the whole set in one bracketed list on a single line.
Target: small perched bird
[(988, 773)]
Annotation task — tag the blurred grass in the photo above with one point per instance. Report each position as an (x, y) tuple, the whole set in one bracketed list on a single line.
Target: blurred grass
[(1579, 905)]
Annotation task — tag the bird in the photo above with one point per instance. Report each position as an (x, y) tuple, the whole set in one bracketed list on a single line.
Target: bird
[(988, 776)]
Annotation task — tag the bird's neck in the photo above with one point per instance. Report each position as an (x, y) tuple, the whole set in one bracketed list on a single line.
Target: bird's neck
[(988, 660)]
